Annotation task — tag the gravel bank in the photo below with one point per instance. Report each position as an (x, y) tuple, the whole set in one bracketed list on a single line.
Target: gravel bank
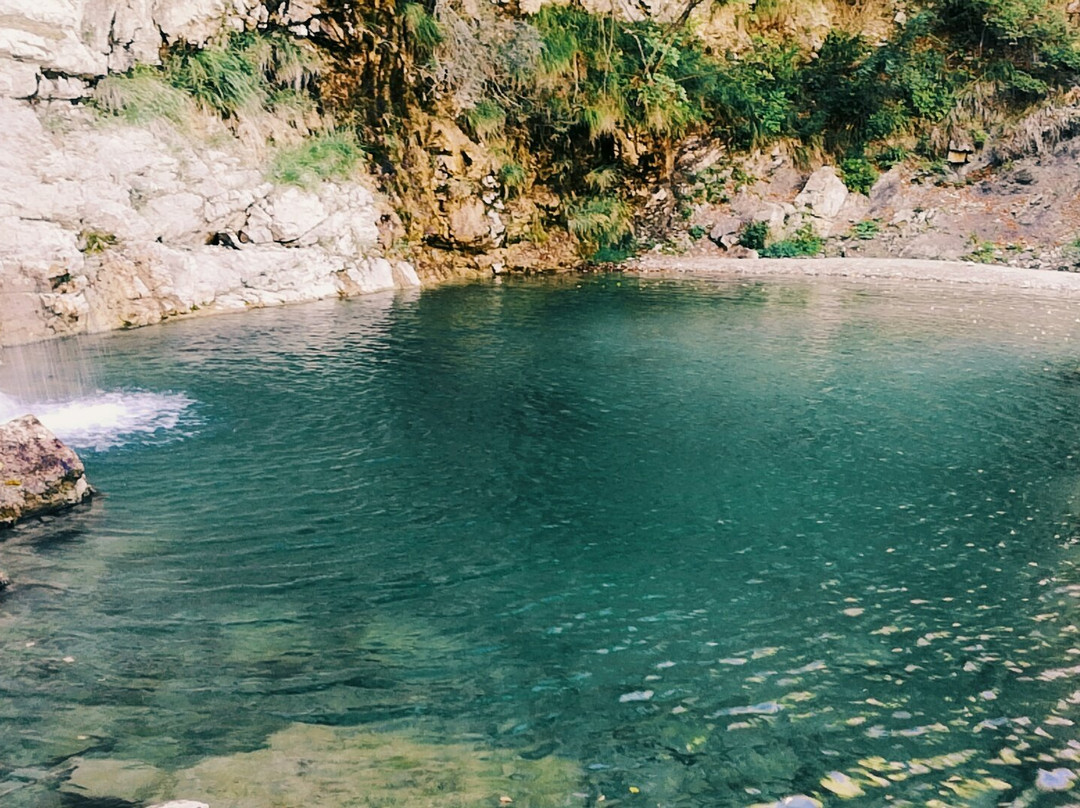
[(949, 272)]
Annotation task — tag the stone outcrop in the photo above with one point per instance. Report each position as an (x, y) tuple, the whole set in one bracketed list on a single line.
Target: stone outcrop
[(38, 473), (108, 225), (53, 49)]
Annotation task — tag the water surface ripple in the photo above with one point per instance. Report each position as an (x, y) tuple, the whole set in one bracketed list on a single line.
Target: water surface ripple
[(714, 542)]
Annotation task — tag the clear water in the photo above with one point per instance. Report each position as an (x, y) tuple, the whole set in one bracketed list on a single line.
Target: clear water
[(708, 542)]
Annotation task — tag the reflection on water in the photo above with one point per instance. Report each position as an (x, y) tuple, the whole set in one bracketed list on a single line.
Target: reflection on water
[(691, 543)]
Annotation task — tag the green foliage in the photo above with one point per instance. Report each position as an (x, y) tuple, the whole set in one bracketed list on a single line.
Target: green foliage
[(806, 243), (866, 229), (1026, 46), (982, 252), (331, 155), (486, 120), (600, 223), (243, 72), (512, 176), (889, 156), (859, 174), (604, 178), (754, 235), (697, 232), (422, 26), (603, 81), (1071, 252)]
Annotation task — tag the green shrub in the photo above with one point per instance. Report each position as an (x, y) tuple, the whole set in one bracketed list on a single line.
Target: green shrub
[(859, 174), (805, 243), (331, 155), (422, 26), (697, 232), (754, 235), (600, 222), (888, 156)]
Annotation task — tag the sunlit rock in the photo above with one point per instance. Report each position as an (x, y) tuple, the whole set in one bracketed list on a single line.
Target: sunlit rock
[(38, 473)]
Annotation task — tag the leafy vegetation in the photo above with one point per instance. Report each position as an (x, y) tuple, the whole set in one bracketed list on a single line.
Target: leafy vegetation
[(805, 243), (513, 177), (982, 252), (754, 235), (859, 174), (142, 94), (866, 229)]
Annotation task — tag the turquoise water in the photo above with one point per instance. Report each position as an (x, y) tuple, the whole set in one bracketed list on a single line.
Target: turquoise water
[(709, 541)]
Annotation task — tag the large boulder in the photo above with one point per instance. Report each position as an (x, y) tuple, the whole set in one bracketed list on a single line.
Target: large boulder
[(38, 473), (823, 195)]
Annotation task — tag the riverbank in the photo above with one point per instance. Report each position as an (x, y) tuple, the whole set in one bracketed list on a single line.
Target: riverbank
[(900, 269)]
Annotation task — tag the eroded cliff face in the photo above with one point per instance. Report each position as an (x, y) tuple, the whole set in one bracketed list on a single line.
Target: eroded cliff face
[(108, 225)]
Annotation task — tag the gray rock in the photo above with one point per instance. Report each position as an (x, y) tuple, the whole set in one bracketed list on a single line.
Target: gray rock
[(824, 194), (725, 227), (39, 473), (180, 804)]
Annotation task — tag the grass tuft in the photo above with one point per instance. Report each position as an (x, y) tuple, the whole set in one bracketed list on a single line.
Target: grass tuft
[(326, 156)]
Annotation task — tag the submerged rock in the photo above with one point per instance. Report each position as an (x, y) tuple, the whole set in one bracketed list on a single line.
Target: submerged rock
[(309, 765), (38, 473)]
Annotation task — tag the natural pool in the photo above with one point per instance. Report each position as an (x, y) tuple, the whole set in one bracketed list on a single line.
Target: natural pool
[(616, 541)]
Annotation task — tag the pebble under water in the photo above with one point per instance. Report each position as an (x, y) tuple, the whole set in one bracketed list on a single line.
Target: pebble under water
[(612, 540)]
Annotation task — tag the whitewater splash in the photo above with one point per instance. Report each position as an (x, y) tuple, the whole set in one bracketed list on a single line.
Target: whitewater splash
[(105, 420)]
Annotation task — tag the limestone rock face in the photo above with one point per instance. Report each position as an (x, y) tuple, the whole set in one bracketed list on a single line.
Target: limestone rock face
[(108, 226), (49, 49), (38, 474)]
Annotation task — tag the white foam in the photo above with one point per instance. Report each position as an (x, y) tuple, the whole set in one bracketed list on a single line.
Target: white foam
[(105, 420)]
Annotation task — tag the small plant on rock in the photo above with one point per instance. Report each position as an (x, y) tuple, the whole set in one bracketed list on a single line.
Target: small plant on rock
[(513, 178), (866, 229), (982, 252), (93, 242)]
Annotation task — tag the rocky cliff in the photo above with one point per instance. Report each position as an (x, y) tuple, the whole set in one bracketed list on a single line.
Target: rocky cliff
[(108, 224)]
